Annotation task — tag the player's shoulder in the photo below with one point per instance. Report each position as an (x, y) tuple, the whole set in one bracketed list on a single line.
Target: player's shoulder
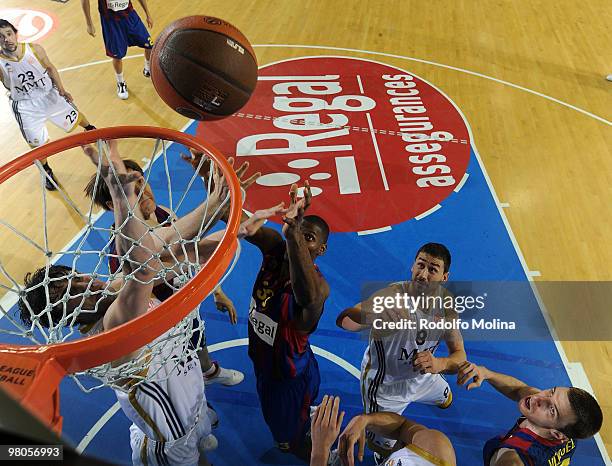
[(506, 457)]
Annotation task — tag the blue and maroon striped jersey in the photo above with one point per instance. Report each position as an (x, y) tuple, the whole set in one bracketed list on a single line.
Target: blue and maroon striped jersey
[(531, 448)]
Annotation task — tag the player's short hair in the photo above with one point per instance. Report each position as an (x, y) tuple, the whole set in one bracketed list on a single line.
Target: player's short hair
[(6, 24), (102, 195), (437, 250), (319, 222), (588, 415), (37, 299)]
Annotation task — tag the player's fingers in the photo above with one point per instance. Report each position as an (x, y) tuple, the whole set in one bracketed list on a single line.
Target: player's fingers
[(241, 169), (362, 442), (334, 410), (293, 193), (477, 383), (250, 180), (339, 425)]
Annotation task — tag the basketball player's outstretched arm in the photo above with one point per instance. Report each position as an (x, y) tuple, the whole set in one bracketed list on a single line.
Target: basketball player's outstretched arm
[(507, 385), (266, 239), (309, 287), (211, 210), (133, 240), (392, 426), (51, 70)]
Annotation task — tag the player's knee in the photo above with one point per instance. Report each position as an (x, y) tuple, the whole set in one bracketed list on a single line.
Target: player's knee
[(449, 400)]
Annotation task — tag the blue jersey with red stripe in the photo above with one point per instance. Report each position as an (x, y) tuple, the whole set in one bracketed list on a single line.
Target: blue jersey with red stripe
[(276, 347), (109, 13), (531, 448)]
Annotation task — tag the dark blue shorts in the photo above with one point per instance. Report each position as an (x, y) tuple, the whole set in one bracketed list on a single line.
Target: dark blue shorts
[(285, 404), (122, 32)]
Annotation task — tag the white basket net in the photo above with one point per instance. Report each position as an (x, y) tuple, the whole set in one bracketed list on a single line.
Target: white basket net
[(89, 265)]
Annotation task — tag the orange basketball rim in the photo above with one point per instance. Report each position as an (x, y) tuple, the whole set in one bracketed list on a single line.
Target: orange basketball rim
[(41, 368)]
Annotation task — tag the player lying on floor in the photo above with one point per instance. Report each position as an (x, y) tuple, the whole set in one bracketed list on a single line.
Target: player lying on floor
[(416, 445), (550, 422), (171, 421)]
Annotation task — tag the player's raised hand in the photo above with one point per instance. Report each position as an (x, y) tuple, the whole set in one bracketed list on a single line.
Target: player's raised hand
[(470, 371), (250, 226), (325, 427), (353, 434)]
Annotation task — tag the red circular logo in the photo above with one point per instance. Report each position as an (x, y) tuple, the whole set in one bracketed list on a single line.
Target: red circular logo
[(32, 25), (378, 145)]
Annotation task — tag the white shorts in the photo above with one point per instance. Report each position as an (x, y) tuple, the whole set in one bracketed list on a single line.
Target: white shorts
[(184, 451), (394, 397), (32, 114)]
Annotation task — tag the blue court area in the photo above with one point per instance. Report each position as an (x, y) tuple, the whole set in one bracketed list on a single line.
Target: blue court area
[(468, 223)]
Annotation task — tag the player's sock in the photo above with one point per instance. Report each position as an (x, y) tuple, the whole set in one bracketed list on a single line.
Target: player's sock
[(146, 71), (119, 77), (48, 184)]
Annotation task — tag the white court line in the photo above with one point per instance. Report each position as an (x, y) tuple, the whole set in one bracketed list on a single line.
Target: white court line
[(374, 231), (441, 65), (462, 182), (89, 436), (377, 150), (391, 55), (504, 205), (534, 273), (360, 84), (428, 212), (97, 427)]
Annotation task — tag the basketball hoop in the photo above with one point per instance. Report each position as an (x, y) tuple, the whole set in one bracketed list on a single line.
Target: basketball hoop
[(42, 367)]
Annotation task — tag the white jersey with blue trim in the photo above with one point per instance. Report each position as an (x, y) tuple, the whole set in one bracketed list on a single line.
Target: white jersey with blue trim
[(26, 78), (411, 455), (166, 406), (391, 356)]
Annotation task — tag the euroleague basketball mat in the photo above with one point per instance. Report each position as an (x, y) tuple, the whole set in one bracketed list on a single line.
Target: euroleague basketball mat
[(392, 166)]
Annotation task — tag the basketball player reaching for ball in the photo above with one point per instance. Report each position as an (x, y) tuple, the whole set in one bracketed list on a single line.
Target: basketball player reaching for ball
[(156, 215), (550, 422), (121, 28), (171, 423), (416, 444), (399, 366), (287, 302), (36, 92)]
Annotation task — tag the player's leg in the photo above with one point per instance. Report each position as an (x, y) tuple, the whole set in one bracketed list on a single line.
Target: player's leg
[(211, 370), (140, 37), (285, 405), (382, 397), (434, 390), (116, 44), (31, 116), (64, 114)]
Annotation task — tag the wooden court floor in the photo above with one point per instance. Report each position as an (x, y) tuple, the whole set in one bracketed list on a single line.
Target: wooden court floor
[(528, 75)]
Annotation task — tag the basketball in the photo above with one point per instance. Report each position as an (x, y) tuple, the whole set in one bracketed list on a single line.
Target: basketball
[(203, 67)]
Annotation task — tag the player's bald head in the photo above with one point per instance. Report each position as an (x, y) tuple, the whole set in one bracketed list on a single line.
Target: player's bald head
[(435, 443)]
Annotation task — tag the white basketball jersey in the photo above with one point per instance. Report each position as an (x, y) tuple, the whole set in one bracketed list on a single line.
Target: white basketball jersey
[(168, 405), (412, 455), (391, 356), (26, 78)]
